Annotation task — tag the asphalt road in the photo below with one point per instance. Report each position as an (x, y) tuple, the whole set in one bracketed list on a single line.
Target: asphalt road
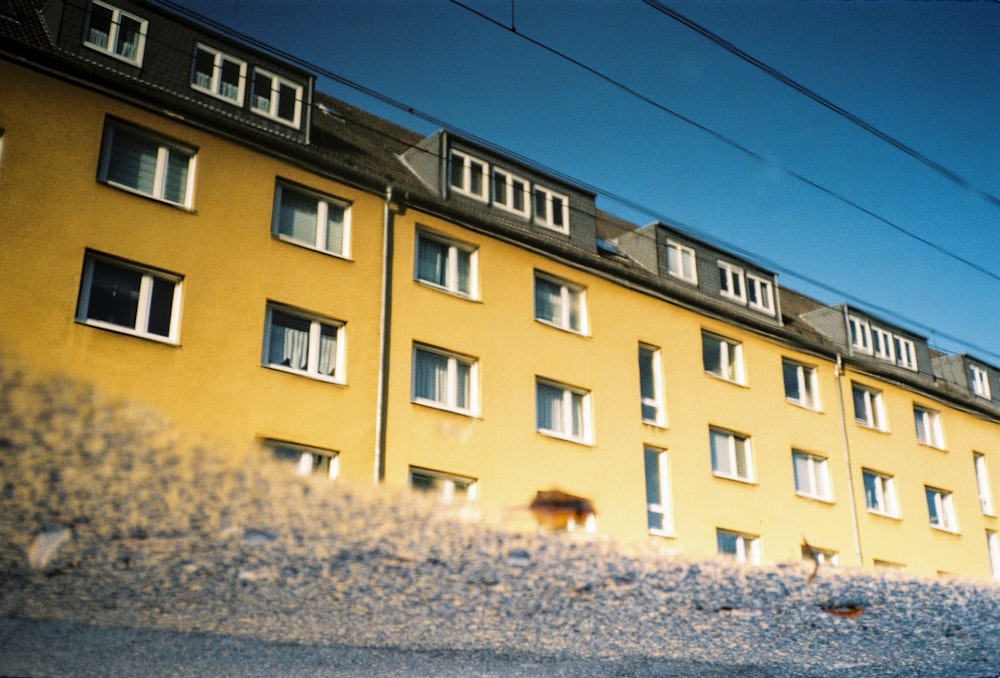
[(33, 648)]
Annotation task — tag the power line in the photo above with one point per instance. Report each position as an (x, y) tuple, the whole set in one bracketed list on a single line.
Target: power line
[(823, 101), (621, 200)]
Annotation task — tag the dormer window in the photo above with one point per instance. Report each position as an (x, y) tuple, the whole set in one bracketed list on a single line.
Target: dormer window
[(906, 354), (218, 74), (681, 262), (510, 192), (467, 175), (115, 33), (276, 97), (551, 209), (760, 294), (861, 334), (731, 282), (980, 380)]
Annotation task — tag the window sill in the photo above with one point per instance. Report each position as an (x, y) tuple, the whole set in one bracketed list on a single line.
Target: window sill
[(434, 405), (568, 330), (118, 329), (667, 534), (873, 429), (559, 436), (738, 479), (311, 248), (445, 290), (659, 425), (803, 406), (884, 515), (137, 63), (550, 227), (215, 95), (945, 530), (307, 375), (147, 196), (819, 500), (932, 446), (727, 380)]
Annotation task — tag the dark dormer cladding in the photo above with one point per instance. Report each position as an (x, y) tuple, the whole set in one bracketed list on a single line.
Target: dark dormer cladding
[(171, 56), (483, 182), (694, 267), (980, 379)]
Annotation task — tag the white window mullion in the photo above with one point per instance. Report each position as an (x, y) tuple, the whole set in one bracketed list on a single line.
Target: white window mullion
[(160, 175), (142, 310), (322, 217), (312, 362)]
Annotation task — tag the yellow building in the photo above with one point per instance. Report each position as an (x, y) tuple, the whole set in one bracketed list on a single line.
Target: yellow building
[(266, 264)]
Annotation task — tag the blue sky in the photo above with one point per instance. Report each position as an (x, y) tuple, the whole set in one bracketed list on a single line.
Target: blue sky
[(925, 73)]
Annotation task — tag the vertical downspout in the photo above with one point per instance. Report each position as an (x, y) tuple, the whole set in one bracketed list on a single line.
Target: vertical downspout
[(838, 371), (385, 321)]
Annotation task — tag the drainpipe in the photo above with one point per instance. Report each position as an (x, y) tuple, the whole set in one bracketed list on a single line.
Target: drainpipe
[(838, 372), (385, 320)]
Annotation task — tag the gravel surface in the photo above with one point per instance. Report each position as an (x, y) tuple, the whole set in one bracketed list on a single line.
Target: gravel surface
[(111, 518)]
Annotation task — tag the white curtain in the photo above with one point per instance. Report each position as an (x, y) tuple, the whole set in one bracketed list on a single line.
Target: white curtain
[(549, 408), (431, 378), (133, 162), (297, 216), (128, 38), (548, 300), (432, 262), (289, 341), (327, 350)]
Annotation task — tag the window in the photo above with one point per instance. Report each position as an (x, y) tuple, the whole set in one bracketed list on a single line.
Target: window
[(304, 344), (467, 175), (311, 219), (444, 379), (880, 493), (126, 297), (744, 547), (983, 484), (560, 303), (276, 98), (562, 411), (659, 520), (731, 282), (940, 509), (730, 455), (681, 262), (144, 163), (723, 358), (447, 264), (218, 74), (993, 548), (906, 354), (980, 380), (307, 460), (446, 486), (821, 556), (116, 33), (760, 294), (868, 408), (551, 209), (812, 475), (861, 334), (510, 192), (800, 384), (650, 385), (928, 427), (882, 344)]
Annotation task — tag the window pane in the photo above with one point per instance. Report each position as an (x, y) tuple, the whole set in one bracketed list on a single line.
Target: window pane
[(577, 412), (653, 487), (114, 295), (727, 543), (549, 408), (463, 383), (711, 350), (289, 341), (132, 162), (431, 378), (229, 85), (175, 182), (742, 458), (262, 92), (204, 65), (720, 443), (297, 216), (803, 482), (557, 211), (287, 96), (860, 405), (464, 271), (457, 171), (475, 177), (335, 228), (432, 262), (128, 38), (161, 305), (647, 384), (793, 390), (871, 491), (327, 350), (100, 26), (548, 300)]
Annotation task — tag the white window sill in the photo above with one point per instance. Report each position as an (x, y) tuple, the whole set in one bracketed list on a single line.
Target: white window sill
[(569, 439), (739, 479), (661, 533), (727, 380), (946, 530), (804, 406), (880, 514), (308, 375), (932, 446), (812, 497), (438, 288), (118, 329), (104, 51), (148, 196), (310, 247), (562, 328), (435, 405), (216, 95)]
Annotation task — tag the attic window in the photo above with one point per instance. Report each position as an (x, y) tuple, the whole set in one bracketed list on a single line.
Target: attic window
[(114, 32), (467, 175)]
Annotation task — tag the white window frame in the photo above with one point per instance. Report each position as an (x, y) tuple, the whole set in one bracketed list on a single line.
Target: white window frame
[(549, 208), (571, 295), (940, 509), (450, 400), (658, 494), (682, 262), (820, 555), (311, 461), (874, 414), (506, 186), (571, 397), (464, 161), (732, 282), (455, 251), (927, 426), (993, 549), (214, 88), (860, 334), (731, 366), (649, 357), (143, 301), (806, 382), (884, 502), (747, 546), (273, 110), (882, 344), (165, 151), (760, 294), (445, 485), (316, 325), (110, 49), (324, 205), (816, 482), (906, 352), (983, 484), (727, 449), (979, 377)]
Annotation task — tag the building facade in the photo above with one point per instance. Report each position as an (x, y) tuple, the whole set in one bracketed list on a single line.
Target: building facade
[(269, 265)]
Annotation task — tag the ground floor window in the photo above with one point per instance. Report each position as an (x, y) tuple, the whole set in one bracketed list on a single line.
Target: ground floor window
[(447, 486), (305, 459)]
